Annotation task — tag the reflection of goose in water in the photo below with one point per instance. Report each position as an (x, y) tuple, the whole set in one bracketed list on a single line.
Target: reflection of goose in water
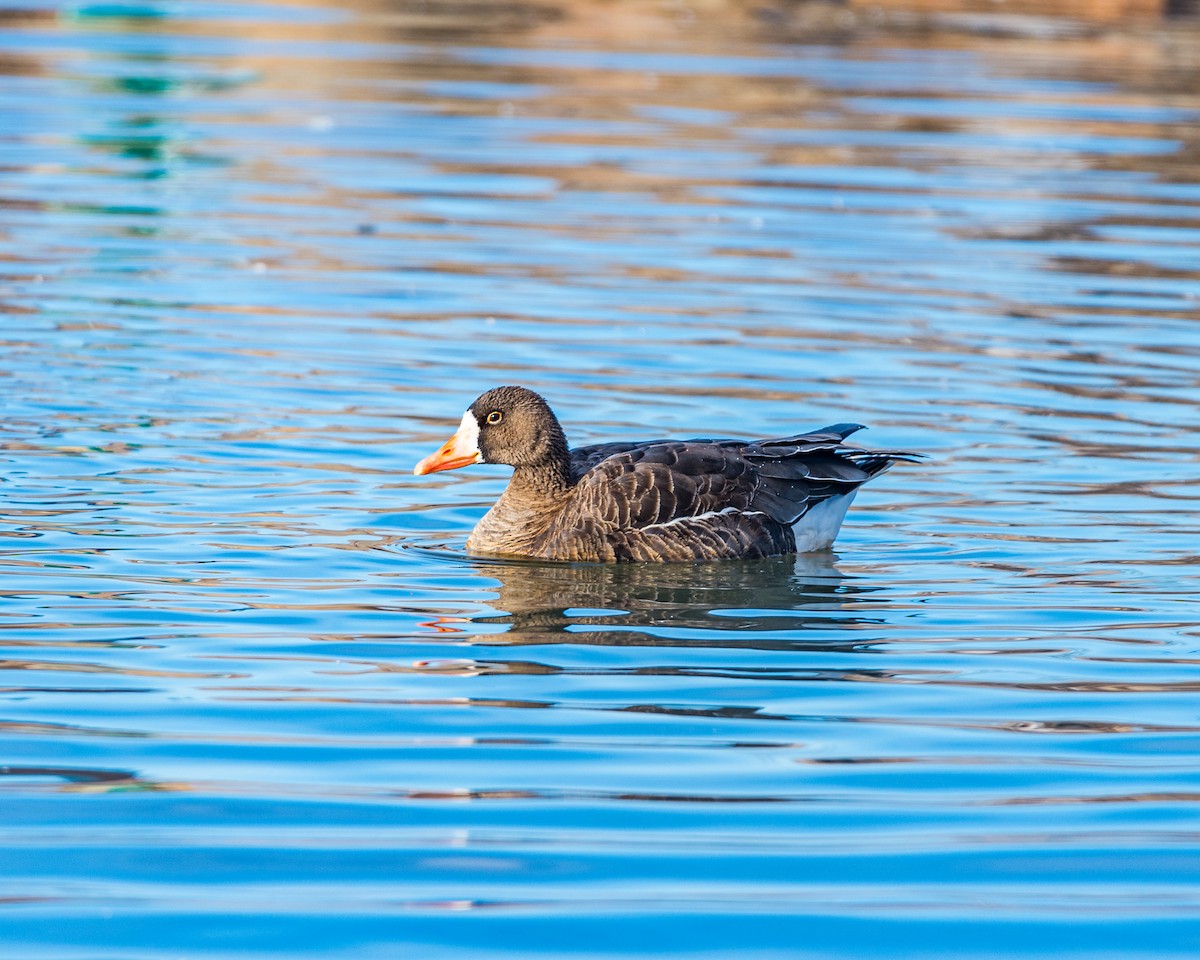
[(743, 602), (655, 499)]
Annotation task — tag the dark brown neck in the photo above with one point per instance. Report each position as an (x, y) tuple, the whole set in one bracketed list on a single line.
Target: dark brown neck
[(551, 477), (533, 498)]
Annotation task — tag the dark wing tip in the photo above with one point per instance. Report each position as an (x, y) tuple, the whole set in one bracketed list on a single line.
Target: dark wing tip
[(842, 430), (834, 433)]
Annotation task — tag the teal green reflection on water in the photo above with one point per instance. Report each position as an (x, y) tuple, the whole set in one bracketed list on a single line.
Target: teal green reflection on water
[(255, 698)]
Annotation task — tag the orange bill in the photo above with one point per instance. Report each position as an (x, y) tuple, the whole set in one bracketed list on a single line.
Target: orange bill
[(461, 450)]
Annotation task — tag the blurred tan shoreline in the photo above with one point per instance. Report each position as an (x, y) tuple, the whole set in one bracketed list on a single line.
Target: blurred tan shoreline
[(1107, 11)]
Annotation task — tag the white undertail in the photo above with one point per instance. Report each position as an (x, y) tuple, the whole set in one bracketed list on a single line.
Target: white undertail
[(818, 528)]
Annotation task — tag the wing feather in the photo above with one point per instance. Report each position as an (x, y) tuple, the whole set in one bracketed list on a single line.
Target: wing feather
[(705, 498)]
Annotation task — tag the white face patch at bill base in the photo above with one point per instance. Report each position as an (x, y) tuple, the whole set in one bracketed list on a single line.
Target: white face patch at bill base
[(461, 450), (466, 437)]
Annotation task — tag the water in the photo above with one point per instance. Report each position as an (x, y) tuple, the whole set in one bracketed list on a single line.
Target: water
[(257, 701)]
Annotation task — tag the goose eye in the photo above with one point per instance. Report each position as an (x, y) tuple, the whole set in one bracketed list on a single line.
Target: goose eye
[(495, 416)]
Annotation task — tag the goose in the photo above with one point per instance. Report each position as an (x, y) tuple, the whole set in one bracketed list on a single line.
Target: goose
[(653, 500)]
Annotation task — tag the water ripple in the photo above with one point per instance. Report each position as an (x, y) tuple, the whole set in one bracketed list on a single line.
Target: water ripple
[(256, 259)]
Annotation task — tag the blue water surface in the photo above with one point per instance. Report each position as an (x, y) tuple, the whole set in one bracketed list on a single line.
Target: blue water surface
[(258, 701)]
